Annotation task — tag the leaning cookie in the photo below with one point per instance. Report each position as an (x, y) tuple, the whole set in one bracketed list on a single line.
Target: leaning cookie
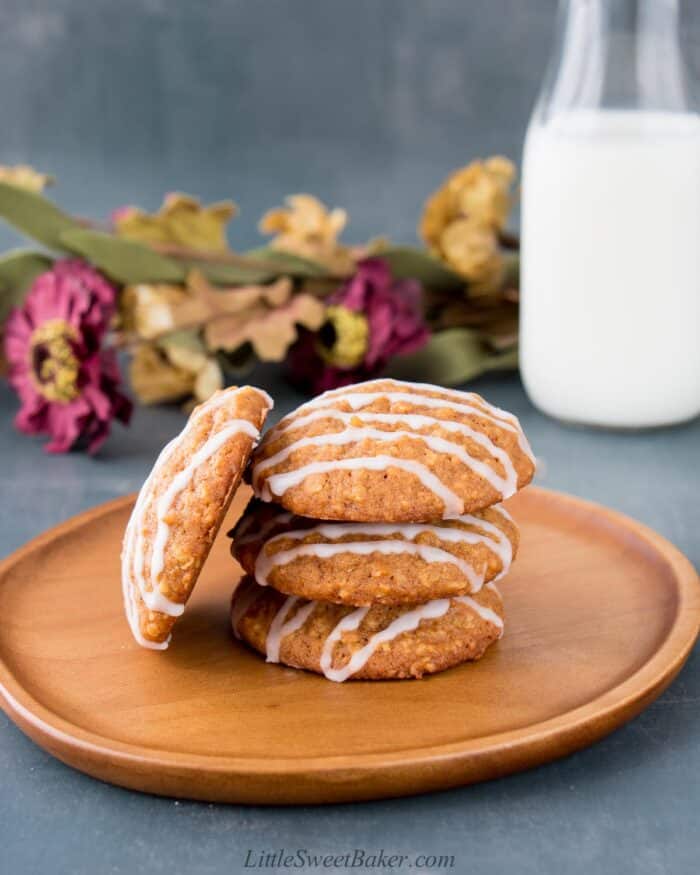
[(373, 643), (389, 451), (181, 506), (374, 563)]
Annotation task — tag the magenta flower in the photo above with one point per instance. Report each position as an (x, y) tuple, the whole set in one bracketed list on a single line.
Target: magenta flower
[(370, 319), (68, 385)]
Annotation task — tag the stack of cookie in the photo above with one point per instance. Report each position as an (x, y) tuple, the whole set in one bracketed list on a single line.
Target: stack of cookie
[(377, 534)]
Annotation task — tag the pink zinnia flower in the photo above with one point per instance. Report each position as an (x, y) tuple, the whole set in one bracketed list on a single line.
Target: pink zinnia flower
[(67, 384), (370, 319)]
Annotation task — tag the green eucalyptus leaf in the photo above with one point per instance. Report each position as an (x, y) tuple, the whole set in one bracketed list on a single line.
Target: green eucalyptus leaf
[(35, 216), (124, 261), (452, 357), (407, 262), (185, 338), (289, 264), (18, 270), (231, 274)]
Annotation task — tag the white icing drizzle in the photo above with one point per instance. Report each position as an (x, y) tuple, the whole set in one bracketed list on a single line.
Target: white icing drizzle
[(241, 602), (462, 402), (500, 545), (244, 536), (363, 399), (482, 610), (133, 564), (332, 394), (403, 623), (416, 422), (490, 527), (492, 586), (133, 549), (504, 486), (406, 622), (154, 600), (264, 564), (222, 396), (132, 616), (278, 484), (349, 623), (182, 480), (410, 531), (503, 512), (281, 627)]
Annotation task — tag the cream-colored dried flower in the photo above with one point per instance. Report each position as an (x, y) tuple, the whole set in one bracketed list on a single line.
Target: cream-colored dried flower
[(151, 310), (305, 227), (24, 176)]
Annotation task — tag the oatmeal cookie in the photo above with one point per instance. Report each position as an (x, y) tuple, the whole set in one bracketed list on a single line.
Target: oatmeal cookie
[(374, 563), (373, 643), (181, 506), (390, 451)]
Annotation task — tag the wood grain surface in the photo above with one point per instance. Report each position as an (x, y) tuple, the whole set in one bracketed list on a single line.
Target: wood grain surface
[(601, 614)]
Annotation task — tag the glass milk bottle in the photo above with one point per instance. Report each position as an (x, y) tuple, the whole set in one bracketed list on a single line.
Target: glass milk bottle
[(610, 312)]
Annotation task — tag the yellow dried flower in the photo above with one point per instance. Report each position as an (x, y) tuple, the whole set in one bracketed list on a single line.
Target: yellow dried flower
[(462, 219), (177, 367), (24, 176), (438, 212), (305, 227), (343, 339), (472, 250), (181, 221), (481, 191)]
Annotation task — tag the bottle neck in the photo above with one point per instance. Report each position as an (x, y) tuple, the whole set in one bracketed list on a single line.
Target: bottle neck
[(616, 54)]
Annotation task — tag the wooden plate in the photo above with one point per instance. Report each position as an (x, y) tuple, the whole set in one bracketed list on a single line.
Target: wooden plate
[(601, 614)]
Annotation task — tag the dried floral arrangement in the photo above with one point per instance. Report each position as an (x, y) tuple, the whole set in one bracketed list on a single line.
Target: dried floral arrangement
[(191, 314)]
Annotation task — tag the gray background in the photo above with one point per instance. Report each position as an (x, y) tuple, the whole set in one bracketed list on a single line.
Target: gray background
[(368, 103)]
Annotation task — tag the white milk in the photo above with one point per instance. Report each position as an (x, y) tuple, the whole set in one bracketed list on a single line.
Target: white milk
[(611, 267)]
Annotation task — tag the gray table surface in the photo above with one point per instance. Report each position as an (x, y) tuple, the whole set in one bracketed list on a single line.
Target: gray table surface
[(628, 804)]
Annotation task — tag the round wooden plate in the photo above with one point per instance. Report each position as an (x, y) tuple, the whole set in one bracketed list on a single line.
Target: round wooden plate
[(601, 614)]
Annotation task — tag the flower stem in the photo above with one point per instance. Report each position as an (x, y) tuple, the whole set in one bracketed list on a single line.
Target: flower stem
[(213, 256)]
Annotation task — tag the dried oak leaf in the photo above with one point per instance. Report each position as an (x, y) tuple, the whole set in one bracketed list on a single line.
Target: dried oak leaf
[(268, 321), (305, 227), (181, 221)]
